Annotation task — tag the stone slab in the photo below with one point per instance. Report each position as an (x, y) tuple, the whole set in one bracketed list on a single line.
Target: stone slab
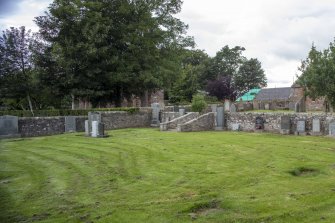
[(9, 126), (70, 124), (233, 108), (235, 127), (332, 129), (285, 122), (301, 126), (219, 118)]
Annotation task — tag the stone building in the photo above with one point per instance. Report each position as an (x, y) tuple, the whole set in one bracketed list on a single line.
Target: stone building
[(273, 99)]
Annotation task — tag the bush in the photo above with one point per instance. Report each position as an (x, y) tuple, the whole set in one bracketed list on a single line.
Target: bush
[(63, 112), (198, 103)]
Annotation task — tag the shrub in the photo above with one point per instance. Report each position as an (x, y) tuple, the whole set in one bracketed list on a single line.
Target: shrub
[(198, 103)]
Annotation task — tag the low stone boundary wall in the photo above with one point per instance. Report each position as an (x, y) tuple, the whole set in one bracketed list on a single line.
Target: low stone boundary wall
[(182, 119), (44, 126), (205, 122), (119, 120), (246, 120)]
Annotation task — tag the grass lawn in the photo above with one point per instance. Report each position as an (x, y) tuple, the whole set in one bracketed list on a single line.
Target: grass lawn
[(143, 175)]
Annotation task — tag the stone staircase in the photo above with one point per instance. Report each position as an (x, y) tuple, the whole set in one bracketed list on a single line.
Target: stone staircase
[(173, 124)]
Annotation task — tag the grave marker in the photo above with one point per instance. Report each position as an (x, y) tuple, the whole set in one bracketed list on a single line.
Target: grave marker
[(9, 126), (285, 124), (301, 127), (219, 118), (155, 114), (235, 127), (332, 129), (233, 108), (316, 127), (70, 124)]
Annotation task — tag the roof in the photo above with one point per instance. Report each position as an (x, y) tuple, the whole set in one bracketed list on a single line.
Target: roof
[(250, 95), (270, 94)]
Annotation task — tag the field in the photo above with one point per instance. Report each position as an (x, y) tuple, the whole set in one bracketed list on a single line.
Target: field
[(143, 175)]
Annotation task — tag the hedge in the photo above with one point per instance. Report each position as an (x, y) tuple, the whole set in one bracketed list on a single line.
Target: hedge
[(63, 112)]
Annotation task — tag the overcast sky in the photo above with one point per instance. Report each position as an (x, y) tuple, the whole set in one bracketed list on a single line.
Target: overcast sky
[(277, 32)]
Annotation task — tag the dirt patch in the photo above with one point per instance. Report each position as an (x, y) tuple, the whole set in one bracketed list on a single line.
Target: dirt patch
[(303, 171), (203, 209)]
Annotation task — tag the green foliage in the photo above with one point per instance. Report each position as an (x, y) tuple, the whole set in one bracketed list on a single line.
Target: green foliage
[(109, 50), (198, 103), (16, 67), (148, 176), (250, 75), (318, 71), (236, 73), (64, 112), (188, 82)]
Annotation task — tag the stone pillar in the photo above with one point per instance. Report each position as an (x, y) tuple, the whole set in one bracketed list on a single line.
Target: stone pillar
[(155, 115), (181, 111), (87, 128), (219, 118)]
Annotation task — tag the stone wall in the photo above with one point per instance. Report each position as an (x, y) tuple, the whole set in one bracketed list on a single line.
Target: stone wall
[(205, 122), (43, 126), (29, 127), (273, 120), (119, 120), (182, 119)]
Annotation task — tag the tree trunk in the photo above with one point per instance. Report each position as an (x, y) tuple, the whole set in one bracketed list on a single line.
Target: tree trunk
[(72, 104), (30, 104)]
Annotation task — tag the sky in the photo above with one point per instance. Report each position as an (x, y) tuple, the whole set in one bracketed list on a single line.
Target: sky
[(279, 33)]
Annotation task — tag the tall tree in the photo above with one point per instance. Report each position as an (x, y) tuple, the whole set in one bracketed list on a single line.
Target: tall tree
[(16, 68), (115, 48), (250, 75), (318, 73)]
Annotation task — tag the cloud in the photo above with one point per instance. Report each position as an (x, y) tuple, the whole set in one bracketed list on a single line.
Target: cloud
[(278, 32), (7, 7), (22, 12)]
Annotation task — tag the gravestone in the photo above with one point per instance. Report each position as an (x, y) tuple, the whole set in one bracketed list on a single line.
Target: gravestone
[(93, 116), (155, 114), (181, 111), (98, 129), (332, 129), (175, 108), (233, 108), (285, 124), (70, 124), (9, 126), (213, 107), (301, 127), (259, 124), (316, 127), (87, 128), (219, 118), (267, 106), (226, 105), (235, 127)]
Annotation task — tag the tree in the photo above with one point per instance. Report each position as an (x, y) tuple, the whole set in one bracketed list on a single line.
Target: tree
[(188, 82), (318, 73), (16, 68), (250, 75), (226, 62), (222, 88), (115, 48), (198, 103)]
